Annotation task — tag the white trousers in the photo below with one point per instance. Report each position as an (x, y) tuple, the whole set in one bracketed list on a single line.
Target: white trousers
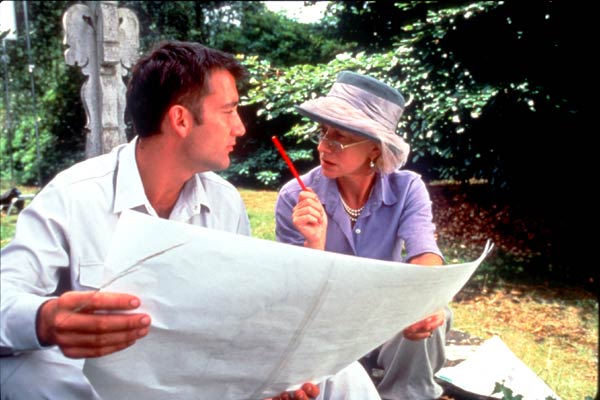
[(351, 383), (44, 374)]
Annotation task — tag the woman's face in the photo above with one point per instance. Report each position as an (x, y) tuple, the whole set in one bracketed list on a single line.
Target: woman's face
[(343, 154)]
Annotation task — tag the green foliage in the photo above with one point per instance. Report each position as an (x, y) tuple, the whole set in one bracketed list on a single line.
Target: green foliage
[(483, 102), (475, 109), (507, 394), (256, 168), (282, 41), (437, 115), (495, 90), (231, 25), (182, 20), (7, 229), (267, 177), (237, 27), (415, 46), (59, 112)]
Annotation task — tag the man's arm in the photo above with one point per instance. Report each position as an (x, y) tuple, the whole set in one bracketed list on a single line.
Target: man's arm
[(31, 317), (30, 268)]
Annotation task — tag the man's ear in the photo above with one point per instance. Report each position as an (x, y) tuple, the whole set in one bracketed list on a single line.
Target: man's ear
[(180, 119)]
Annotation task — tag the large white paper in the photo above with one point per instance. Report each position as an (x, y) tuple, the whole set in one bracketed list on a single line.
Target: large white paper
[(235, 317), (493, 362)]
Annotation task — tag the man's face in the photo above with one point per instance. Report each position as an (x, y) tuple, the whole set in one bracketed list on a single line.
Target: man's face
[(208, 146)]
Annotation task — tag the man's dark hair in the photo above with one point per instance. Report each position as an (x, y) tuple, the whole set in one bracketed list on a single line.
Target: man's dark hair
[(173, 73)]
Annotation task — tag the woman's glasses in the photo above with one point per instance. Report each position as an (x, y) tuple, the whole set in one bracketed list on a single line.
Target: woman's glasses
[(334, 145)]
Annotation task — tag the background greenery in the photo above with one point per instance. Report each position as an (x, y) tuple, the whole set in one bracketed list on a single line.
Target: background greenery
[(495, 94), (498, 94)]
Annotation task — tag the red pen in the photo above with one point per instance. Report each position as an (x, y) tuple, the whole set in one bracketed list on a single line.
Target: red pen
[(288, 161)]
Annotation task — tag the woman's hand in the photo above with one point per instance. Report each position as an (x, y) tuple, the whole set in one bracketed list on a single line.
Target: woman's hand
[(425, 328), (310, 218)]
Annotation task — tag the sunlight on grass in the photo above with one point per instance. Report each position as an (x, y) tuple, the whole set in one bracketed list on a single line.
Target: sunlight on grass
[(552, 337), (7, 228), (7, 223), (261, 208)]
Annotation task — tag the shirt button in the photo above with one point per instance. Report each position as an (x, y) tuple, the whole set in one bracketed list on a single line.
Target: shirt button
[(357, 231)]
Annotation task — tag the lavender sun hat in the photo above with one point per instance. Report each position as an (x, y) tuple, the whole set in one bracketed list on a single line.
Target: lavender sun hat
[(366, 107)]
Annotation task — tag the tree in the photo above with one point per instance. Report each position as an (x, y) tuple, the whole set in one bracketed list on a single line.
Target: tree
[(282, 41), (61, 115), (443, 99), (236, 27), (59, 110), (493, 88)]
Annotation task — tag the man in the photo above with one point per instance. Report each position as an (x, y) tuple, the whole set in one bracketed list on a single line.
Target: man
[(183, 101)]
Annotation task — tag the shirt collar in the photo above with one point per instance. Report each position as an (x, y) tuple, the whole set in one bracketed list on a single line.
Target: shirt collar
[(388, 195), (129, 190), (200, 194), (192, 199), (130, 193)]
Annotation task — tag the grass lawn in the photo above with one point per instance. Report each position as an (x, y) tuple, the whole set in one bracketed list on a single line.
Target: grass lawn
[(554, 330), (7, 223), (261, 208)]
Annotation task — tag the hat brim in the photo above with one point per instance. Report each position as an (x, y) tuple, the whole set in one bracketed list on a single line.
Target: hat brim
[(336, 124)]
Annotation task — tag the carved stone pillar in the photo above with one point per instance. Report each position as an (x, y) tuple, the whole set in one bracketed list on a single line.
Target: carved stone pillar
[(103, 41)]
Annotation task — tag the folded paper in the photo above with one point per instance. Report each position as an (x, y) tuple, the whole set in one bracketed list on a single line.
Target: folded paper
[(495, 364), (235, 317)]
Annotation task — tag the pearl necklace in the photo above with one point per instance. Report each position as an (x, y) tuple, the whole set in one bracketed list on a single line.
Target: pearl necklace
[(352, 213)]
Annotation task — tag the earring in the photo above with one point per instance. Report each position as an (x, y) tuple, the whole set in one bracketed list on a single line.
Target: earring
[(372, 164)]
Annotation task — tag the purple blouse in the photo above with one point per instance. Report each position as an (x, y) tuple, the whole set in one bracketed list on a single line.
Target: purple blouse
[(395, 225)]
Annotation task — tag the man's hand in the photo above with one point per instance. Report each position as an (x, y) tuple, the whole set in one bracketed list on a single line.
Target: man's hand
[(77, 322), (310, 219), (307, 391), (424, 329)]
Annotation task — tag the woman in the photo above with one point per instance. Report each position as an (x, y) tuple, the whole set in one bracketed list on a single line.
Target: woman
[(360, 203)]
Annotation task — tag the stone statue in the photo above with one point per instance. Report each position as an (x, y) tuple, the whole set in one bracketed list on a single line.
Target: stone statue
[(103, 41)]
